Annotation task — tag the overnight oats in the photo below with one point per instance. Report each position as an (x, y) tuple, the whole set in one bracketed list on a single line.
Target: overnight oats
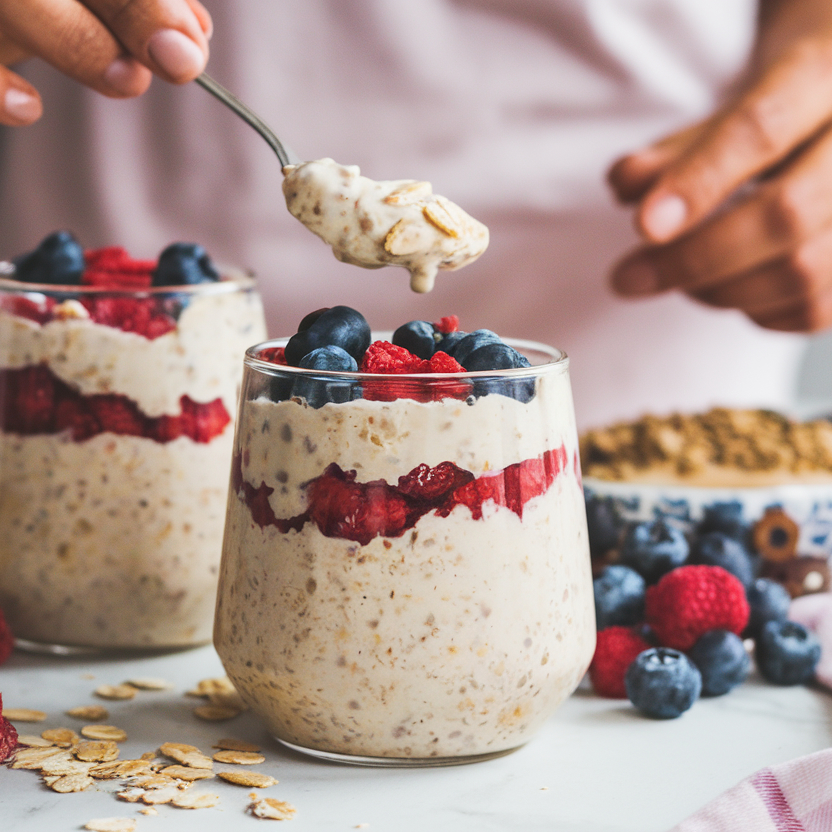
[(118, 389), (405, 576)]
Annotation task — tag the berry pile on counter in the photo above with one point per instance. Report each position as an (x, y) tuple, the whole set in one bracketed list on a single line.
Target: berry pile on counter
[(338, 339), (675, 608), (59, 260)]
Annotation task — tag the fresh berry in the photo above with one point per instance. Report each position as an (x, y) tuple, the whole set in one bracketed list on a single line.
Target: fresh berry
[(184, 264), (769, 601), (319, 390), (338, 326), (449, 341), (494, 356), (619, 597), (787, 653), (309, 319), (722, 660), (37, 308), (615, 649), (604, 524), (725, 517), (418, 337), (114, 268), (447, 325), (663, 683), (275, 355), (117, 414), (690, 600), (29, 399), (389, 359), (58, 260), (653, 548), (8, 736), (718, 549), (468, 343), (6, 640), (130, 314)]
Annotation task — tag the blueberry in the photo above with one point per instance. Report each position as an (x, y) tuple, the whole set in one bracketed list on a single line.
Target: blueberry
[(663, 683), (308, 320), (319, 390), (604, 524), (722, 660), (472, 341), (494, 356), (449, 341), (717, 549), (769, 601), (339, 326), (184, 264), (653, 548), (725, 517), (787, 653), (619, 597), (58, 260), (418, 337)]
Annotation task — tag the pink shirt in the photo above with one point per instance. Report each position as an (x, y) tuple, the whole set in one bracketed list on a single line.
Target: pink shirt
[(511, 108)]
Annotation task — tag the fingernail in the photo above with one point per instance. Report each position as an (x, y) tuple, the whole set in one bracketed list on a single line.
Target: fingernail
[(636, 278), (665, 217), (21, 105), (121, 75), (176, 53)]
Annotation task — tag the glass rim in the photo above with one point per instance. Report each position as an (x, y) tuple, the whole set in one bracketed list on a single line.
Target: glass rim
[(559, 363), (231, 279)]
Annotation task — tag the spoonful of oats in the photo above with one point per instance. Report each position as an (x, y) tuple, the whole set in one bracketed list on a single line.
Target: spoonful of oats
[(369, 223)]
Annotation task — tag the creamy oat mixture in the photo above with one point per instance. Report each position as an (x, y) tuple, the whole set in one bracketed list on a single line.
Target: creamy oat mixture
[(114, 541), (374, 224), (458, 638)]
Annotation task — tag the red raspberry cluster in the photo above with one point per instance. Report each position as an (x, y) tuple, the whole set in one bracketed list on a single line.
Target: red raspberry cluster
[(686, 603), (8, 736)]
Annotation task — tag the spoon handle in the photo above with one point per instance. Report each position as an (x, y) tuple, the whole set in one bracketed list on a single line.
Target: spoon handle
[(247, 115)]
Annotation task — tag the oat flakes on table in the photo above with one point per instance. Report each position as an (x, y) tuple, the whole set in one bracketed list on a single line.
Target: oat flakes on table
[(187, 773), (195, 800), (111, 825), (34, 758), (251, 779), (149, 810), (270, 809), (97, 751), (216, 713), (60, 767), (147, 683), (70, 783), (239, 758), (115, 692), (153, 781), (91, 713), (33, 741), (24, 715), (228, 744), (120, 769), (208, 687), (104, 732), (63, 737)]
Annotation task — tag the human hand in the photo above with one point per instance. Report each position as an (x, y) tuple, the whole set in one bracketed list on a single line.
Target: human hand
[(737, 210), (112, 46)]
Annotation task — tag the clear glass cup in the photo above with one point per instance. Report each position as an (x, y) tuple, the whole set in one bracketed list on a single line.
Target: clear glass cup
[(405, 577), (116, 428)]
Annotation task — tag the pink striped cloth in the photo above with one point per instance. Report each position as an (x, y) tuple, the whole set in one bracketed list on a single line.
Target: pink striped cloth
[(795, 796)]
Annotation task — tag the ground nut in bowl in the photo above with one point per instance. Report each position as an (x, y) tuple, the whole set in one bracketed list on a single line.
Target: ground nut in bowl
[(117, 413), (405, 575)]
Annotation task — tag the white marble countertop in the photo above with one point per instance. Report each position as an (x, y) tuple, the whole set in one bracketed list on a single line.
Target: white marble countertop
[(596, 767)]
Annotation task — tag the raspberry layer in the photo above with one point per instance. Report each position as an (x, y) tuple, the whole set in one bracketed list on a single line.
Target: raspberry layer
[(34, 401), (343, 508)]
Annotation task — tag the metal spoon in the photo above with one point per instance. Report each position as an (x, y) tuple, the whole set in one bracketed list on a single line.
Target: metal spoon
[(284, 154)]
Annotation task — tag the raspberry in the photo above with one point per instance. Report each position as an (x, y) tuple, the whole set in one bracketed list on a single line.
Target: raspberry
[(72, 414), (433, 484), (39, 311), (276, 355), (29, 400), (690, 600), (207, 420), (117, 414), (615, 650), (450, 323), (113, 267), (8, 736), (6, 641), (387, 358)]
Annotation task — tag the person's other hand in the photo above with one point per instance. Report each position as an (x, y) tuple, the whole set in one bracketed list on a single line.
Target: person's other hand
[(112, 46), (737, 210)]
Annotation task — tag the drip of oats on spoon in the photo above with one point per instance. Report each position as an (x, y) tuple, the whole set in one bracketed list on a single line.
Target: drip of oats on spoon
[(369, 223)]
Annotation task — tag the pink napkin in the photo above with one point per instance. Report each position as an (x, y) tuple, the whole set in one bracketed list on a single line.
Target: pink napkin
[(795, 796)]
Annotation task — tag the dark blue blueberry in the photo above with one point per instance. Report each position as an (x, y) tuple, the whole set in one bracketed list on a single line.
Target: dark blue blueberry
[(604, 524), (722, 660), (725, 517), (769, 601), (787, 653), (310, 319), (494, 356), (449, 341), (418, 337), (619, 597), (472, 341), (339, 326), (653, 548), (184, 264), (319, 390), (717, 549), (58, 260), (663, 683)]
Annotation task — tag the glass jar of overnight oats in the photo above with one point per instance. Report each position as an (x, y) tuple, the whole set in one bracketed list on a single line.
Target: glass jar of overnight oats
[(405, 576), (116, 427)]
